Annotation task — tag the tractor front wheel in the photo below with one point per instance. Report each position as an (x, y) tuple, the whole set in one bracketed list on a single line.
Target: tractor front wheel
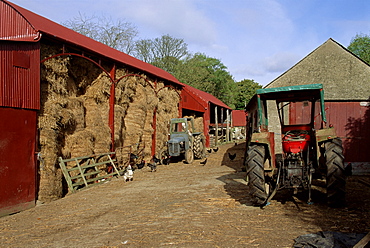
[(335, 178), (189, 156), (255, 174)]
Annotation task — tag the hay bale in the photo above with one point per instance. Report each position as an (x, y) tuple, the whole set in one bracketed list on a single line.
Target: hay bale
[(99, 90), (76, 108), (79, 144), (198, 123), (167, 109)]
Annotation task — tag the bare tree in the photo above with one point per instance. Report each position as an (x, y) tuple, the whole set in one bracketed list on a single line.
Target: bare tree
[(167, 46), (118, 34), (162, 48), (144, 50)]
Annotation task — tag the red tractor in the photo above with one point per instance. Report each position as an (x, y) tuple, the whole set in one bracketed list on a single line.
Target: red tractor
[(307, 146)]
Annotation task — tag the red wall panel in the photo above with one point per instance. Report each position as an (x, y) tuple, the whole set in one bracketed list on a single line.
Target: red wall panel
[(352, 122), (17, 160), (20, 75)]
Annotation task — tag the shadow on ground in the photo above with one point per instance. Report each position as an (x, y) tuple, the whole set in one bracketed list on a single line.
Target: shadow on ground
[(234, 183), (354, 217)]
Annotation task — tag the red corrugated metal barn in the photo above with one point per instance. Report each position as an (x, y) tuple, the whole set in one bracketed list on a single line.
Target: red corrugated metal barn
[(28, 45), (215, 114), (239, 122), (346, 81)]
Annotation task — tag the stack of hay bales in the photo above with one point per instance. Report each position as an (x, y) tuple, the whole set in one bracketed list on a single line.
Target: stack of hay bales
[(74, 116), (53, 117), (136, 100), (166, 110), (198, 123)]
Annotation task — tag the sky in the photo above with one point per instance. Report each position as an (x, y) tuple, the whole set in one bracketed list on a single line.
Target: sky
[(254, 39)]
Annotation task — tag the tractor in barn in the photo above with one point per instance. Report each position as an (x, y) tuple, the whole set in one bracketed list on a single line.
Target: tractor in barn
[(184, 141), (309, 147)]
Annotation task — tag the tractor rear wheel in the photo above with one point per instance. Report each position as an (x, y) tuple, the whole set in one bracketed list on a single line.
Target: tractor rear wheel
[(335, 177), (255, 173), (199, 147)]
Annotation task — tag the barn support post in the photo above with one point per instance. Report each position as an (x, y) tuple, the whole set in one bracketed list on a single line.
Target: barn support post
[(154, 125), (222, 125), (227, 125), (112, 98), (154, 135), (216, 127), (206, 127)]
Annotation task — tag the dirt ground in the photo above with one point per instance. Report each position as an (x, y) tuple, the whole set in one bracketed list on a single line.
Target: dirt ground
[(183, 205)]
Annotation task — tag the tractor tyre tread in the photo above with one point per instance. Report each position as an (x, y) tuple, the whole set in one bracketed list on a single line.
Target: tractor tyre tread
[(199, 147), (335, 177), (254, 164)]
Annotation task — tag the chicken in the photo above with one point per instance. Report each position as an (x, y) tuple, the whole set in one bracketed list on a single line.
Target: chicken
[(232, 156), (156, 160), (133, 157), (129, 174), (141, 165), (166, 161), (152, 165), (204, 162)]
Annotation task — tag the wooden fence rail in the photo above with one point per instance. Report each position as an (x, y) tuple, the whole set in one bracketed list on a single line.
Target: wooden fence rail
[(84, 172)]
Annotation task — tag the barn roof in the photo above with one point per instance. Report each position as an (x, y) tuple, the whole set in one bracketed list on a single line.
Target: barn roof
[(42, 26), (343, 75), (200, 97)]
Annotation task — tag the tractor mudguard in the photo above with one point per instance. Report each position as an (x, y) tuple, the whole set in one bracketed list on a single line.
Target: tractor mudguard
[(325, 134), (267, 138)]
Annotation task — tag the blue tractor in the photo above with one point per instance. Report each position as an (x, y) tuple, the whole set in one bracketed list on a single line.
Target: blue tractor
[(184, 141)]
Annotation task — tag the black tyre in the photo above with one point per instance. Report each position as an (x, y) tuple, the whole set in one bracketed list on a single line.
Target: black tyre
[(255, 173), (335, 177), (199, 147), (189, 156)]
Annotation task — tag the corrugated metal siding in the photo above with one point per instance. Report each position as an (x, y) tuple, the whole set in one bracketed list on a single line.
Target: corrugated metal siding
[(20, 75), (13, 26), (189, 101), (351, 121), (239, 118)]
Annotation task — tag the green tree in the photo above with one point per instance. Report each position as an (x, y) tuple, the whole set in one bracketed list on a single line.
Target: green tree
[(169, 64), (207, 74), (360, 45), (245, 90)]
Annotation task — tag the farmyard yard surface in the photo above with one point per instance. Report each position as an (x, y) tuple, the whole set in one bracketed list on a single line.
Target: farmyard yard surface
[(182, 205)]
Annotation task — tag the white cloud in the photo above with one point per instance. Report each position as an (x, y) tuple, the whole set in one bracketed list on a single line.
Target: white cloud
[(178, 18), (280, 62)]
